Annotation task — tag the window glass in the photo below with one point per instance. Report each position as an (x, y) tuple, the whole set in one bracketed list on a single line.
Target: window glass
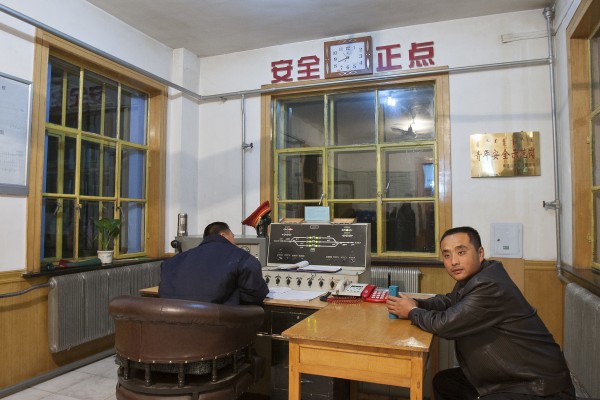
[(596, 150), (300, 123), (407, 113), (51, 164), (69, 165), (54, 104), (354, 174), (89, 212), (300, 176), (58, 228), (131, 239), (378, 164), (59, 164), (72, 111), (409, 226), (97, 177), (595, 69), (352, 118), (293, 210), (99, 105), (363, 212), (133, 173), (596, 196), (408, 172), (81, 164), (133, 115)]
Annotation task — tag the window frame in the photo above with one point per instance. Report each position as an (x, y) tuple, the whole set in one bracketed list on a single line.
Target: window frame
[(157, 110), (440, 80), (579, 31)]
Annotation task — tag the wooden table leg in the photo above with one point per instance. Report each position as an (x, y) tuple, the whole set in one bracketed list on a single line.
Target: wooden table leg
[(294, 372), (417, 376)]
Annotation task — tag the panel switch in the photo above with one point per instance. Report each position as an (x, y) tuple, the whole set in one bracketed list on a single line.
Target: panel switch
[(507, 240)]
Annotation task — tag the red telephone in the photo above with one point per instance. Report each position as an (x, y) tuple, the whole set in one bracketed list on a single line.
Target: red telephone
[(374, 294)]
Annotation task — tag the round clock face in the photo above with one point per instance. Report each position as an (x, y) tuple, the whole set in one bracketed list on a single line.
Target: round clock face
[(347, 57)]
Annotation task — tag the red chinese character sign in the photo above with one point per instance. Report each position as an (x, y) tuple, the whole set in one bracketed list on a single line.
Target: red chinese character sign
[(505, 154), (354, 56)]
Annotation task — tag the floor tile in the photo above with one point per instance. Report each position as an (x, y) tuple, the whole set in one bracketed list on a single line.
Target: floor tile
[(106, 368), (28, 394), (92, 387), (62, 382)]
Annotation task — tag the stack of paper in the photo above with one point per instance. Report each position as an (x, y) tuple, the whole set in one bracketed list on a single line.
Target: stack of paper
[(286, 293), (288, 267), (320, 268)]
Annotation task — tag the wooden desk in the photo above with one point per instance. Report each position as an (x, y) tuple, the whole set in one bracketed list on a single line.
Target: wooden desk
[(315, 303), (359, 342), (150, 292)]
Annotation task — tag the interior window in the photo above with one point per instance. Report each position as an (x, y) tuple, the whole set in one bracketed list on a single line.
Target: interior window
[(370, 155), (94, 135)]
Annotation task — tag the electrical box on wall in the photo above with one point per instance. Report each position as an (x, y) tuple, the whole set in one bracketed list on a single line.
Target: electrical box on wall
[(507, 240)]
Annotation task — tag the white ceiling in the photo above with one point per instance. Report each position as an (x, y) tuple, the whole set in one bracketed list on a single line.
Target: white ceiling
[(213, 27)]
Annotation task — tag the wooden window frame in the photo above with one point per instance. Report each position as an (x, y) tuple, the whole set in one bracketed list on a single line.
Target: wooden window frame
[(583, 24), (157, 111), (442, 104)]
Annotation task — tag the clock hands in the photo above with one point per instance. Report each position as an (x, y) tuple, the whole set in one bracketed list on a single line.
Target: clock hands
[(345, 58)]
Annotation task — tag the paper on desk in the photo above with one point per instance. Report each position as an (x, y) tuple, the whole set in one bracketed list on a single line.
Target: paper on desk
[(320, 268), (285, 293), (293, 266)]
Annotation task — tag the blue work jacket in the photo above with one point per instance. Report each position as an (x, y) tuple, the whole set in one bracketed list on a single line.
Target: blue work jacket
[(216, 271)]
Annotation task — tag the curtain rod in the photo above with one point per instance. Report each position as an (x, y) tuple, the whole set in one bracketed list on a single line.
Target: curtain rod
[(225, 96)]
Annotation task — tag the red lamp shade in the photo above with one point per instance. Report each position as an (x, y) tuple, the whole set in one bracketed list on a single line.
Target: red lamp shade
[(253, 219)]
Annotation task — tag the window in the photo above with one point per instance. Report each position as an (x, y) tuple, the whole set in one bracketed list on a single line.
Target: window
[(583, 34), (96, 138), (369, 153)]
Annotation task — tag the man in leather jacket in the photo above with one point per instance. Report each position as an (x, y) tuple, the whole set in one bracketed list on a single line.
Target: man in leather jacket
[(216, 271), (503, 348)]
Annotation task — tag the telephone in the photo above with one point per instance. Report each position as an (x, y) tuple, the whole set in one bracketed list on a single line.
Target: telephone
[(365, 291)]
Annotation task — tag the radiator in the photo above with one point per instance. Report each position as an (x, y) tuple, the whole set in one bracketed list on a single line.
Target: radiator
[(78, 303), (407, 278), (581, 344)]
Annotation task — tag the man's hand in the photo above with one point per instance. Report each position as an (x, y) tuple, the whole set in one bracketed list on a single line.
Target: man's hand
[(400, 305)]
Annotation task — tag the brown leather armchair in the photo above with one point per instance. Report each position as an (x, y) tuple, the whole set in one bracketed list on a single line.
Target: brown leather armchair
[(181, 349)]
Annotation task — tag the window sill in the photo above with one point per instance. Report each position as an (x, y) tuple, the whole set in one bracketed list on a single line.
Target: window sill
[(586, 277), (72, 270), (406, 262)]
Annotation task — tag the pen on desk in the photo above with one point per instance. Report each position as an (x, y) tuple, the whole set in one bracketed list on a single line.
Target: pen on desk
[(325, 296)]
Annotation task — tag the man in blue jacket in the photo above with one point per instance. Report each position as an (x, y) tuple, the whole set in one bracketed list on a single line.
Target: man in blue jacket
[(503, 348), (216, 271)]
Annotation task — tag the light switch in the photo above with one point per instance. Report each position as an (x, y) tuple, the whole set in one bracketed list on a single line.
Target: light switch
[(507, 240)]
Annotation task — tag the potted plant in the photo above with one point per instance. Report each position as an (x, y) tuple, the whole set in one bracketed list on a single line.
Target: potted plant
[(108, 230)]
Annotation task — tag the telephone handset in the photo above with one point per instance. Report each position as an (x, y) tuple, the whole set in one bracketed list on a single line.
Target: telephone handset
[(340, 287), (365, 291), (374, 294)]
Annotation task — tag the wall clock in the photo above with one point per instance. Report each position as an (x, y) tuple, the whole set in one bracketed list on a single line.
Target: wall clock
[(348, 57)]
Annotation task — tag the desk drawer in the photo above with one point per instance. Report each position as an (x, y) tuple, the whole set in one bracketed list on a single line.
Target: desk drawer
[(280, 394), (278, 319), (315, 384)]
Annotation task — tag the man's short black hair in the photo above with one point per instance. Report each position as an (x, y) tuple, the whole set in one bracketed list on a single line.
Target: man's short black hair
[(215, 228), (474, 237)]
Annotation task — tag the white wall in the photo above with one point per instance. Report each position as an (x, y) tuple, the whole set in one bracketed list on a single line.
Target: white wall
[(499, 100), (564, 12), (87, 24), (204, 160)]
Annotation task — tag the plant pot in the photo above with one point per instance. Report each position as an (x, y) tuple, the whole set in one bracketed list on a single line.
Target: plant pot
[(105, 256)]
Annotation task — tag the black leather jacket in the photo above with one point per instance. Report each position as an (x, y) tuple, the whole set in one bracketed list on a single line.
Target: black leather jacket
[(501, 343)]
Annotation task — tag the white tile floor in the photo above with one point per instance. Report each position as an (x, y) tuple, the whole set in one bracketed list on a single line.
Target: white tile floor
[(96, 381)]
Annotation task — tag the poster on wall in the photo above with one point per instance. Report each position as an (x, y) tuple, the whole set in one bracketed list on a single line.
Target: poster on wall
[(15, 125), (505, 154)]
